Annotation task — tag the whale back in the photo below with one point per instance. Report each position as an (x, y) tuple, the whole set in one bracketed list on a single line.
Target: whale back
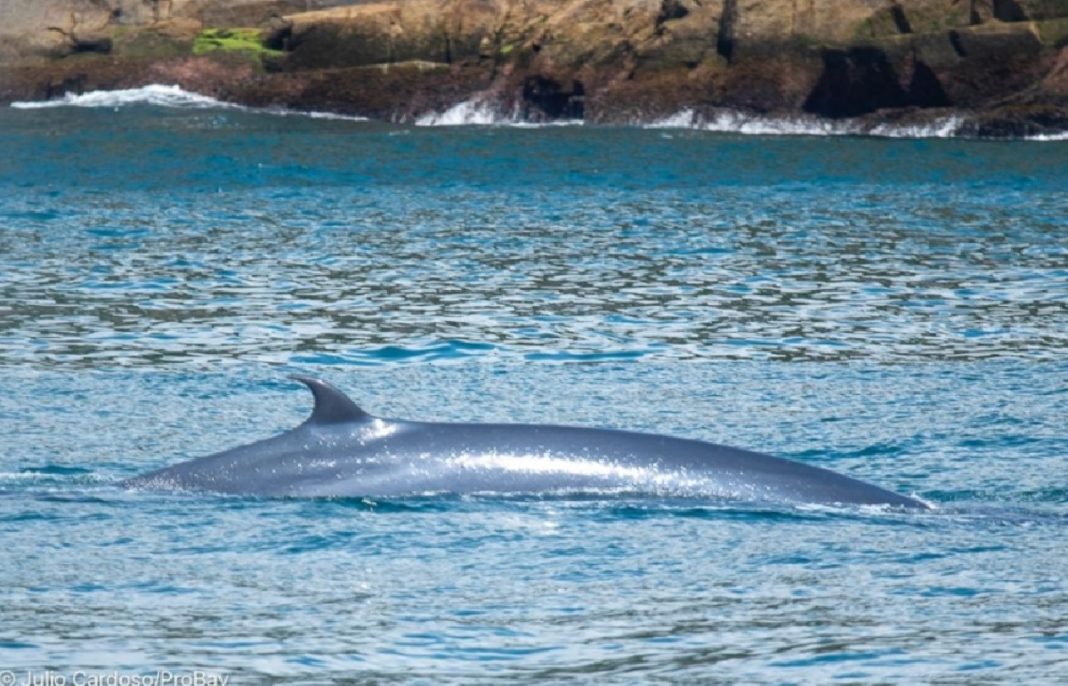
[(342, 451)]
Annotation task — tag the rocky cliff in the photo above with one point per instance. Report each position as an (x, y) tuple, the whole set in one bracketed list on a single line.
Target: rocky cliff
[(1001, 65)]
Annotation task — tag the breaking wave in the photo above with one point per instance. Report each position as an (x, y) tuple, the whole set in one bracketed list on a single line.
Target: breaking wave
[(1049, 137), (480, 111), (160, 95), (466, 113), (155, 94), (733, 121)]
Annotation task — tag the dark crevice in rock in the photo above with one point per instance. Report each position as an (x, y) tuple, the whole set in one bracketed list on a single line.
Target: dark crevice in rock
[(546, 99), (897, 13), (670, 9), (70, 84), (1008, 10), (855, 82), (725, 37), (957, 43), (862, 80), (98, 45), (280, 38), (925, 90)]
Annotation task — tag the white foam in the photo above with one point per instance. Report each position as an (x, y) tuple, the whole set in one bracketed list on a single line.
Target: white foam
[(729, 121), (1063, 136), (683, 119), (733, 121), (314, 114), (481, 111), (945, 127), (154, 94), (519, 124), (160, 95), (475, 112)]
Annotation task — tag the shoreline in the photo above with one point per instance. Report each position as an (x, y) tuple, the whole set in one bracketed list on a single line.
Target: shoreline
[(850, 66), (479, 112)]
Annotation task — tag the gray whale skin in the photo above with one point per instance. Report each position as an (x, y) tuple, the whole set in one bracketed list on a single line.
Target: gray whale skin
[(341, 451)]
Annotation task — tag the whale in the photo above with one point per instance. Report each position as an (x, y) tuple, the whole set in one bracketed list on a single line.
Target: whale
[(341, 451)]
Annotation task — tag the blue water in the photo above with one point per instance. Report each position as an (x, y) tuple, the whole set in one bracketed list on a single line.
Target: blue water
[(896, 310)]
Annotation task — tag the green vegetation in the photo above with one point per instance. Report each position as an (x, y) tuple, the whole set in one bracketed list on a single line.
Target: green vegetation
[(249, 40), (1053, 32)]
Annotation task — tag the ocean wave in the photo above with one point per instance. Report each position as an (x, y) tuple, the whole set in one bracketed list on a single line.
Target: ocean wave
[(481, 111), (734, 121), (155, 94), (160, 95), (1063, 136), (466, 113)]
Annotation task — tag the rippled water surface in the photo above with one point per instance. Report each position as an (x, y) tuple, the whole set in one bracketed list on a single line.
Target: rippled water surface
[(896, 310)]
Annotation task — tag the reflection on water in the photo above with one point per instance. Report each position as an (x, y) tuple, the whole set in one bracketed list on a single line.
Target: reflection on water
[(379, 276)]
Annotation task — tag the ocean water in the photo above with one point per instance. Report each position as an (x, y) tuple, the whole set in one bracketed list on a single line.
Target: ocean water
[(893, 309)]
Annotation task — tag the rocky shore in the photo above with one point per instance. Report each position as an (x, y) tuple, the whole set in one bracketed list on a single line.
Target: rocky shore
[(998, 68)]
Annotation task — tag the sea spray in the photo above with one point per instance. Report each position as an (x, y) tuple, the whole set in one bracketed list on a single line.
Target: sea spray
[(736, 121), (169, 96)]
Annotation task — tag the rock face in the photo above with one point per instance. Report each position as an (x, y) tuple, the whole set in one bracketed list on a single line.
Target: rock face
[(1001, 64)]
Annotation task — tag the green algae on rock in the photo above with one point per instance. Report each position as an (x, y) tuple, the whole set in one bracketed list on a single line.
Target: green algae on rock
[(246, 39)]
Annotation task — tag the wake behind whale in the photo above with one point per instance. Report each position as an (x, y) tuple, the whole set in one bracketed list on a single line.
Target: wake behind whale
[(342, 451)]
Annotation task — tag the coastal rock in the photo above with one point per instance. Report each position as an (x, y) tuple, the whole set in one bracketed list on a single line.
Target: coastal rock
[(1016, 121), (387, 33), (601, 60)]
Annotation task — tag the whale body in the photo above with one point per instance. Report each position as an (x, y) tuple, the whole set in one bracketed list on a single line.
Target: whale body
[(342, 451)]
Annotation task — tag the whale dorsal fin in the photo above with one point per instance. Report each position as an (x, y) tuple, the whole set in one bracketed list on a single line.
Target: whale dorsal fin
[(331, 405)]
